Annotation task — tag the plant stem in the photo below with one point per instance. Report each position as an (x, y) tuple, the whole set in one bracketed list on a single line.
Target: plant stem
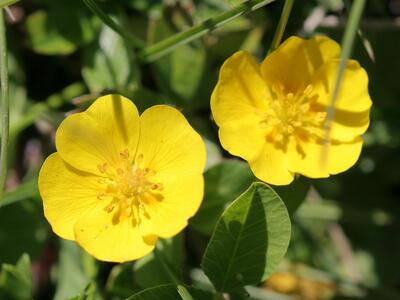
[(164, 263), (184, 293), (347, 46), (280, 30), (182, 290), (165, 46), (5, 109), (92, 5)]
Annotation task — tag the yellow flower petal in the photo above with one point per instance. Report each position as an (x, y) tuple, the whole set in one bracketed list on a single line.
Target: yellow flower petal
[(98, 136), (237, 104), (296, 61), (110, 241), (68, 194), (339, 157), (353, 103), (181, 198), (176, 154), (271, 166)]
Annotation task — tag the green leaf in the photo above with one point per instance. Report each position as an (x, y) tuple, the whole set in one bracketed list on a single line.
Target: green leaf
[(88, 294), (249, 240), (16, 281), (4, 3), (170, 292), (172, 71), (149, 270), (121, 281), (24, 230), (71, 276), (223, 183), (109, 64), (51, 31)]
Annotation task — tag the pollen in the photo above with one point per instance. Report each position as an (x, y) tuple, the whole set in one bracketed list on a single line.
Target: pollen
[(292, 115), (129, 190)]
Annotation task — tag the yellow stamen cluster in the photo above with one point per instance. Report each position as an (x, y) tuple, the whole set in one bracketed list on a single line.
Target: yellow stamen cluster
[(129, 189), (292, 115)]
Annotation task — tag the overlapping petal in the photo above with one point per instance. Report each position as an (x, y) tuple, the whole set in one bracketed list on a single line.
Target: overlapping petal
[(176, 153), (319, 161), (271, 165), (108, 240), (98, 135), (67, 193), (353, 102), (296, 61), (237, 104)]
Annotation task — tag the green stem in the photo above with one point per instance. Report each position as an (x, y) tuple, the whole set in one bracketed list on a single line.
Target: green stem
[(182, 290), (92, 5), (184, 293), (165, 265), (165, 46), (347, 46), (280, 30), (5, 109)]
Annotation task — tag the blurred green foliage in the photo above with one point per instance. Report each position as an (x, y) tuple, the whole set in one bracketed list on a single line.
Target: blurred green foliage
[(345, 233)]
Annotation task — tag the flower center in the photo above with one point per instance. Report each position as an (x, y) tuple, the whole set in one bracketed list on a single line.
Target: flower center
[(292, 116), (130, 188)]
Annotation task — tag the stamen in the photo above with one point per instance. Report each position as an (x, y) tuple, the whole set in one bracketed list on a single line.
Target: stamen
[(124, 154), (308, 90), (131, 189), (102, 168)]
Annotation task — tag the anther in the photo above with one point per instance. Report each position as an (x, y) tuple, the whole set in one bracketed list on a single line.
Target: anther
[(320, 116), (109, 208), (290, 129), (157, 186), (101, 196), (102, 168), (120, 171), (124, 154), (308, 90), (290, 96), (128, 211)]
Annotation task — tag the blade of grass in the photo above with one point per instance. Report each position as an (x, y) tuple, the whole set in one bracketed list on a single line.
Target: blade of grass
[(4, 3), (26, 190), (184, 293), (366, 43), (5, 109), (165, 46), (135, 42), (347, 46), (280, 30)]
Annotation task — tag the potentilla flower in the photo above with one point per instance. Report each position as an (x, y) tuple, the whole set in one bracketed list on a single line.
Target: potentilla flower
[(119, 181), (273, 114)]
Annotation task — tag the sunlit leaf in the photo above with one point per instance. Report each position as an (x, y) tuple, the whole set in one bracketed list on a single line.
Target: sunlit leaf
[(249, 240)]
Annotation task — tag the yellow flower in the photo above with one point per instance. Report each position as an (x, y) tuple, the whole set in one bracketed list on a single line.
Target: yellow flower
[(273, 115), (119, 181)]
